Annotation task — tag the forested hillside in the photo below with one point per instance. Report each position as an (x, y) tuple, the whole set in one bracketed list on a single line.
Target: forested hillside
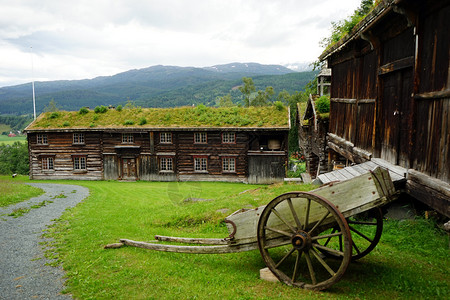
[(157, 86)]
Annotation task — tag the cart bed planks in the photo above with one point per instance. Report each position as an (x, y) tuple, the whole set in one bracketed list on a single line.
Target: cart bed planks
[(351, 197)]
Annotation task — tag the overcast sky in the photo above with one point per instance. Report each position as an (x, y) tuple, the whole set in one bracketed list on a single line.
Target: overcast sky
[(88, 38)]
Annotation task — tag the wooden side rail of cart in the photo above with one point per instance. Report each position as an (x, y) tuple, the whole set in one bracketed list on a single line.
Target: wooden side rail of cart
[(305, 238)]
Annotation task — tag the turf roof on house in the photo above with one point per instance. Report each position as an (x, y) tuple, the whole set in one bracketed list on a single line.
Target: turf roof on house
[(180, 117)]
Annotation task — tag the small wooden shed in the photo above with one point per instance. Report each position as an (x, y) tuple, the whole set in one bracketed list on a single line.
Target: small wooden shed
[(390, 94)]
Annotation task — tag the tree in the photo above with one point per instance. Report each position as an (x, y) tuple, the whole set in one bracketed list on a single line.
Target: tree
[(343, 27), (51, 107), (263, 97), (247, 89), (224, 101), (284, 97), (14, 158)]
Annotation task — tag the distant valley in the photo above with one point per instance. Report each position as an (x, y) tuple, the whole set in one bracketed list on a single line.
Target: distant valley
[(156, 86)]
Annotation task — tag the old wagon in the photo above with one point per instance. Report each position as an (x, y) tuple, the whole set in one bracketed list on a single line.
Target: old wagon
[(306, 239)]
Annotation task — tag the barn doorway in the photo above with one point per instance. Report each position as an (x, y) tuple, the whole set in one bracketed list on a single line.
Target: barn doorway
[(128, 168)]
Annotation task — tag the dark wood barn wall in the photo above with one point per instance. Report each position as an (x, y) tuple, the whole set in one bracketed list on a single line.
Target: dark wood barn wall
[(390, 100)]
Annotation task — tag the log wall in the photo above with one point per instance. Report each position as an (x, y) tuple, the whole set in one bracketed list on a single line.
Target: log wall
[(108, 158)]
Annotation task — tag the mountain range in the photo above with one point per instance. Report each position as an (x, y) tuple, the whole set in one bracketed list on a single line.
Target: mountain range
[(156, 86)]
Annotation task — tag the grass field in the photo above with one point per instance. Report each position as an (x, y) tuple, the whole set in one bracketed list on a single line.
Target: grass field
[(13, 190), (410, 262), (4, 139)]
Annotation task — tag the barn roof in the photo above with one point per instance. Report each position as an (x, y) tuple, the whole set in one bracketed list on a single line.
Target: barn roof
[(384, 7), (200, 117)]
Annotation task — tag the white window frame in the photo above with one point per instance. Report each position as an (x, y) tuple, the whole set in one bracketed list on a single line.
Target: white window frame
[(200, 138), (42, 139), (48, 163), (228, 138), (201, 164), (127, 138), (229, 164), (78, 139), (165, 137), (166, 164), (79, 163)]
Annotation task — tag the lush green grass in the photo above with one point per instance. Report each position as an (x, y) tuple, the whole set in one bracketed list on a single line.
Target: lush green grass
[(5, 128), (4, 139), (411, 260), (13, 190), (200, 116)]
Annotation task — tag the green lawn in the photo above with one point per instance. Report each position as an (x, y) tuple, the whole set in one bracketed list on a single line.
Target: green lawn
[(411, 260), (4, 139), (13, 190)]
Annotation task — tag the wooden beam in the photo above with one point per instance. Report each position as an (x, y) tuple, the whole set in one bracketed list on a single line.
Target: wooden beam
[(343, 100), (433, 95), (428, 181), (396, 65), (191, 249), (163, 238), (431, 191)]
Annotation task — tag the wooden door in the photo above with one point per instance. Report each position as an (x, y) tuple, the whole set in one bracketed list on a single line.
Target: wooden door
[(396, 110), (129, 168)]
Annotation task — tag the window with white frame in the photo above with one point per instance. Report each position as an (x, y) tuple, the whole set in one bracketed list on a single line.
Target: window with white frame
[(200, 138), (229, 164), (165, 138), (79, 163), (228, 137), (200, 164), (47, 163), (127, 138), (78, 138), (42, 139), (166, 164)]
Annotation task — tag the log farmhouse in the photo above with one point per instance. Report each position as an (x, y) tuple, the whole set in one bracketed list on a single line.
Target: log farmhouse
[(173, 144), (390, 95)]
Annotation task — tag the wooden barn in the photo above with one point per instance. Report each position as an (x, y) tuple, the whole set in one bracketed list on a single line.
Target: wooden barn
[(178, 144), (390, 95)]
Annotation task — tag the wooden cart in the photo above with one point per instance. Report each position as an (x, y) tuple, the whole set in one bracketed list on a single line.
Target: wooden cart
[(307, 239)]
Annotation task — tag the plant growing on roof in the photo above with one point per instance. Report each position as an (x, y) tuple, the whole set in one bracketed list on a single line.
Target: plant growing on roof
[(323, 104), (83, 111), (101, 109)]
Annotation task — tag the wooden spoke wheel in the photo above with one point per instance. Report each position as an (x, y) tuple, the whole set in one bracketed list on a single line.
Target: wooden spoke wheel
[(366, 229), (289, 230)]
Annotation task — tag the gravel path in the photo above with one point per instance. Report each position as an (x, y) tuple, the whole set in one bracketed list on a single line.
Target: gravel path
[(23, 273)]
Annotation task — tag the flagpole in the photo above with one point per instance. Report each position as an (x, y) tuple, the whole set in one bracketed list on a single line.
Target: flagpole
[(32, 84)]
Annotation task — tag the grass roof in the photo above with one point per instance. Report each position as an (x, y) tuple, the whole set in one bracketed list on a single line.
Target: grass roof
[(180, 117)]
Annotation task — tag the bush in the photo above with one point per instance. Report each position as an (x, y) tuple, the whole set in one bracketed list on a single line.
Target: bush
[(279, 105), (54, 115), (323, 104), (65, 124), (83, 111), (128, 122), (100, 109), (14, 159), (142, 121), (119, 108)]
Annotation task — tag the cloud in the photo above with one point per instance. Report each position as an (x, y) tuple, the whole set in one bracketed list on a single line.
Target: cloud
[(84, 39)]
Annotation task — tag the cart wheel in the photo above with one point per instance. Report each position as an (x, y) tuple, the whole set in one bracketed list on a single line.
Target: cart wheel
[(366, 229), (289, 230)]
